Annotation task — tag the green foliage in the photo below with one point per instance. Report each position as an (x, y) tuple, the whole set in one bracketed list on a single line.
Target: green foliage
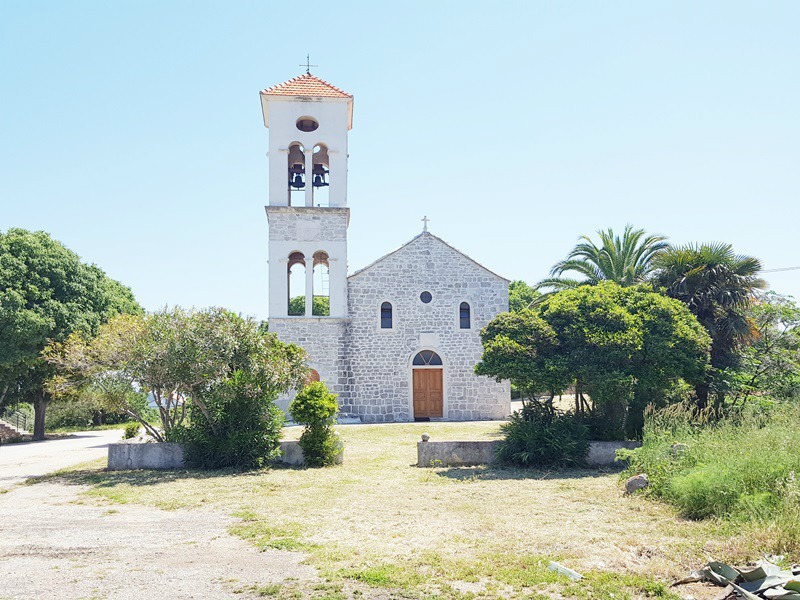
[(742, 468), (316, 408), (718, 286), (231, 371), (131, 431), (521, 296), (243, 430), (626, 347), (183, 358), (46, 293), (539, 437), (87, 409), (769, 366), (625, 261), (320, 307), (523, 347)]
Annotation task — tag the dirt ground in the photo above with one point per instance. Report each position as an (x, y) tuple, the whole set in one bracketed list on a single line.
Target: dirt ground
[(56, 544)]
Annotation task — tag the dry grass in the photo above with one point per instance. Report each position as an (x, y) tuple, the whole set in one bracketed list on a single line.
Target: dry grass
[(385, 524)]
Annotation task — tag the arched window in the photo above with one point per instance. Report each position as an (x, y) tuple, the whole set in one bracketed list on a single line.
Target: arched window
[(296, 285), (464, 317), (386, 315), (321, 171), (297, 175), (427, 358), (322, 296)]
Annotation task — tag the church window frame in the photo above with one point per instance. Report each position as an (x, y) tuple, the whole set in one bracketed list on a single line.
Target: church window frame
[(464, 316), (391, 316)]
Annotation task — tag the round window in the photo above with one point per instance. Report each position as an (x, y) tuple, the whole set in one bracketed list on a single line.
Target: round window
[(307, 124), (425, 297)]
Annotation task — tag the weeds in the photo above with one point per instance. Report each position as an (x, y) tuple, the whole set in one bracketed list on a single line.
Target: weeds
[(742, 469)]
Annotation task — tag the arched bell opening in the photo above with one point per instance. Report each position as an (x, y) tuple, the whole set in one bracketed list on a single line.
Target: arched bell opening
[(321, 176), (297, 175), (322, 294), (296, 274)]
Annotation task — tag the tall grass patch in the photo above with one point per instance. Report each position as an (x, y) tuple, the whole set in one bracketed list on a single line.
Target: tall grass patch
[(742, 468)]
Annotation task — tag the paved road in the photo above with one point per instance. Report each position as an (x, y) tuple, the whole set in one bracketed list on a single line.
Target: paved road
[(31, 459)]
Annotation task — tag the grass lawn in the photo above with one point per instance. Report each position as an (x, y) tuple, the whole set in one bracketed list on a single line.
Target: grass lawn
[(378, 526)]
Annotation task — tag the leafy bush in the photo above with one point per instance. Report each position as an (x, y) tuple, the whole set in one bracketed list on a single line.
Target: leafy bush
[(316, 408), (243, 430), (131, 430), (741, 468), (539, 437)]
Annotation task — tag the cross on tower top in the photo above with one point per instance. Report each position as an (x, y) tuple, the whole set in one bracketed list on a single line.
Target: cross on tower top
[(425, 220), (308, 64)]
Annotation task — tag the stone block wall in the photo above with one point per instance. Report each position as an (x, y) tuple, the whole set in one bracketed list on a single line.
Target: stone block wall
[(379, 379), (325, 341)]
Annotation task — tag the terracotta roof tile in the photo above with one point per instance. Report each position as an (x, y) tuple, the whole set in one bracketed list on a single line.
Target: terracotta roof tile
[(306, 85)]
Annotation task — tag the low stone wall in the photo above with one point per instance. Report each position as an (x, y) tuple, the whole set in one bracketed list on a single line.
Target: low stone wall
[(455, 454), (164, 455), (292, 454), (467, 454), (604, 454), (126, 456)]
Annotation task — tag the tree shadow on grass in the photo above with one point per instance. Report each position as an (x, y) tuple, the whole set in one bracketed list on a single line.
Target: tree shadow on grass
[(103, 478), (498, 473)]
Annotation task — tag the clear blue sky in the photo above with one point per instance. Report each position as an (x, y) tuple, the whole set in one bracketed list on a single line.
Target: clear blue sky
[(131, 130)]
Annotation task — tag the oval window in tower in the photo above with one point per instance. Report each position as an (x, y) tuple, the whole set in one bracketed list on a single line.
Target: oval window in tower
[(307, 124)]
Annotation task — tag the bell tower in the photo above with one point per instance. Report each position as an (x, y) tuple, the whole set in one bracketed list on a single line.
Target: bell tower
[(308, 121)]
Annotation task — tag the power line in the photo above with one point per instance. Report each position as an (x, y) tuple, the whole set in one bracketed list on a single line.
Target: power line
[(777, 270)]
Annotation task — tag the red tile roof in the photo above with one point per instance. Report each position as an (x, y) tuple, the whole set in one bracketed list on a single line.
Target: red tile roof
[(306, 85)]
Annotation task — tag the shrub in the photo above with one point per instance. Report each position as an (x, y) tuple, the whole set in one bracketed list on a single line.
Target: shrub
[(741, 468), (244, 430), (131, 430), (316, 408), (539, 437)]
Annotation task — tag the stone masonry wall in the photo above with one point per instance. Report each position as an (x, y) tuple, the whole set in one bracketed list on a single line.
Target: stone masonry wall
[(378, 381), (324, 338), (307, 223)]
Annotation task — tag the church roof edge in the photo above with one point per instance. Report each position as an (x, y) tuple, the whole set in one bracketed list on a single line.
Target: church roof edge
[(437, 238)]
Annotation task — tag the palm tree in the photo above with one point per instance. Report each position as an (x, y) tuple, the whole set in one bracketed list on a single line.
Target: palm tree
[(625, 260), (718, 286)]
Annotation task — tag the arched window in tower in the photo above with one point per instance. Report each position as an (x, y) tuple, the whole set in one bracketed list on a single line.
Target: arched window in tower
[(297, 175), (322, 293), (464, 316), (386, 315), (320, 176), (296, 272)]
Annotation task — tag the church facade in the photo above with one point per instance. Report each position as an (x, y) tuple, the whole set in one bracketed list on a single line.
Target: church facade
[(397, 340)]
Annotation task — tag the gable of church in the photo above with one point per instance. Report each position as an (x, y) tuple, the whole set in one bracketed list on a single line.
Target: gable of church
[(421, 252)]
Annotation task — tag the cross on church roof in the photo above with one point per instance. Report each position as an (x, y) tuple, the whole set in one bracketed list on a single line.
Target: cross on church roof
[(308, 64), (425, 220)]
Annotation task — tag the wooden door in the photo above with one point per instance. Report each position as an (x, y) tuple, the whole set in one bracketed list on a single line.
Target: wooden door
[(428, 393)]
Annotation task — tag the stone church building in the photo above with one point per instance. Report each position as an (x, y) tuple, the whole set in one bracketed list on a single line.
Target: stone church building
[(397, 340)]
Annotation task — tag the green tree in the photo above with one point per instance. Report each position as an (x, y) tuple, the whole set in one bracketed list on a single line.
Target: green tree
[(626, 347), (46, 293), (624, 260), (321, 306), (770, 363), (719, 287), (211, 362), (521, 296)]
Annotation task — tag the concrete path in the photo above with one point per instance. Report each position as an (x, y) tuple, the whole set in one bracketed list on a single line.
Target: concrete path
[(32, 459)]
